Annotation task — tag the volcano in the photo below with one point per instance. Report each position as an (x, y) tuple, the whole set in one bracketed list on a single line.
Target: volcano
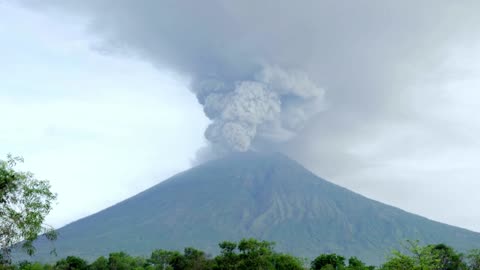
[(260, 195)]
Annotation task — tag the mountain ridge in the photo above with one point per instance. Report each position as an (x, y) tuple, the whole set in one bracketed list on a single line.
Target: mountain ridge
[(262, 195)]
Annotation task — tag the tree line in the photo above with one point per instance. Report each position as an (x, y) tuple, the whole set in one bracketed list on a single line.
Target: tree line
[(252, 254)]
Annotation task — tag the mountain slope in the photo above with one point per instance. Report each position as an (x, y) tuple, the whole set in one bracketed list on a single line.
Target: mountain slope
[(266, 196)]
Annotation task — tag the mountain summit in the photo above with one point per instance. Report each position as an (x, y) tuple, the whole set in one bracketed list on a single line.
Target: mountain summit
[(266, 196)]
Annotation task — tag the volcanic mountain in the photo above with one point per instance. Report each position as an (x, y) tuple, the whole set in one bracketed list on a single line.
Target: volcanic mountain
[(266, 196)]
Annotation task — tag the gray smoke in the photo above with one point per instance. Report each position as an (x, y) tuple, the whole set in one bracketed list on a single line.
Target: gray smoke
[(274, 105), (259, 67)]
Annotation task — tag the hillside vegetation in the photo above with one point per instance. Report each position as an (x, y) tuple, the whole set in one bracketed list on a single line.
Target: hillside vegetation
[(251, 254)]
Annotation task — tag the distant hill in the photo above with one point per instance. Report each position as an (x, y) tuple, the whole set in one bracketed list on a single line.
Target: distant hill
[(266, 196)]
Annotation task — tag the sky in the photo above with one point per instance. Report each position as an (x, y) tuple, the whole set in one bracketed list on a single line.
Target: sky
[(378, 97), (97, 137)]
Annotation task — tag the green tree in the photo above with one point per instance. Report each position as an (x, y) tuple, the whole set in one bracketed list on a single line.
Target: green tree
[(99, 264), (355, 264), (71, 263), (228, 258), (418, 258), (123, 261), (178, 261), (162, 259), (24, 203), (399, 261), (328, 261), (286, 262), (448, 258), (196, 259), (25, 265), (255, 255), (473, 259)]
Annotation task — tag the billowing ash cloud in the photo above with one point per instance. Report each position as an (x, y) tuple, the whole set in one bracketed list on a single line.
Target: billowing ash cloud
[(259, 67), (274, 105)]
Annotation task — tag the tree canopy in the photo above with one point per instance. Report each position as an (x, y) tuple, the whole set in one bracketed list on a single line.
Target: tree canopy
[(254, 254), (24, 203)]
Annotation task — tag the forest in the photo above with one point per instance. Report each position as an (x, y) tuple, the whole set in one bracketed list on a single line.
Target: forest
[(253, 254)]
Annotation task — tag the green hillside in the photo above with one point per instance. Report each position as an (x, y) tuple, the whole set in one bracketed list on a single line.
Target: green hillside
[(265, 196)]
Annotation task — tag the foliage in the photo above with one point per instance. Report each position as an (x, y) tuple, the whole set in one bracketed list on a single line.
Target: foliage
[(123, 261), (473, 259), (71, 263), (163, 259), (355, 264), (430, 257), (24, 203), (228, 258), (328, 261), (253, 254), (99, 264), (447, 257), (287, 262)]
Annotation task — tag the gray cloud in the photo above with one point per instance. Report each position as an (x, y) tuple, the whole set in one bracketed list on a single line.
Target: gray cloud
[(240, 53), (318, 80), (275, 106), (259, 67)]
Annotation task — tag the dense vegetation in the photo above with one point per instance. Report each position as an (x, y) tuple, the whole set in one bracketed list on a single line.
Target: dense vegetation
[(251, 254)]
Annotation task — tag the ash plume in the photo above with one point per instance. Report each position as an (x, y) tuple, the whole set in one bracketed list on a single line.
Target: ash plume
[(274, 105), (259, 67)]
